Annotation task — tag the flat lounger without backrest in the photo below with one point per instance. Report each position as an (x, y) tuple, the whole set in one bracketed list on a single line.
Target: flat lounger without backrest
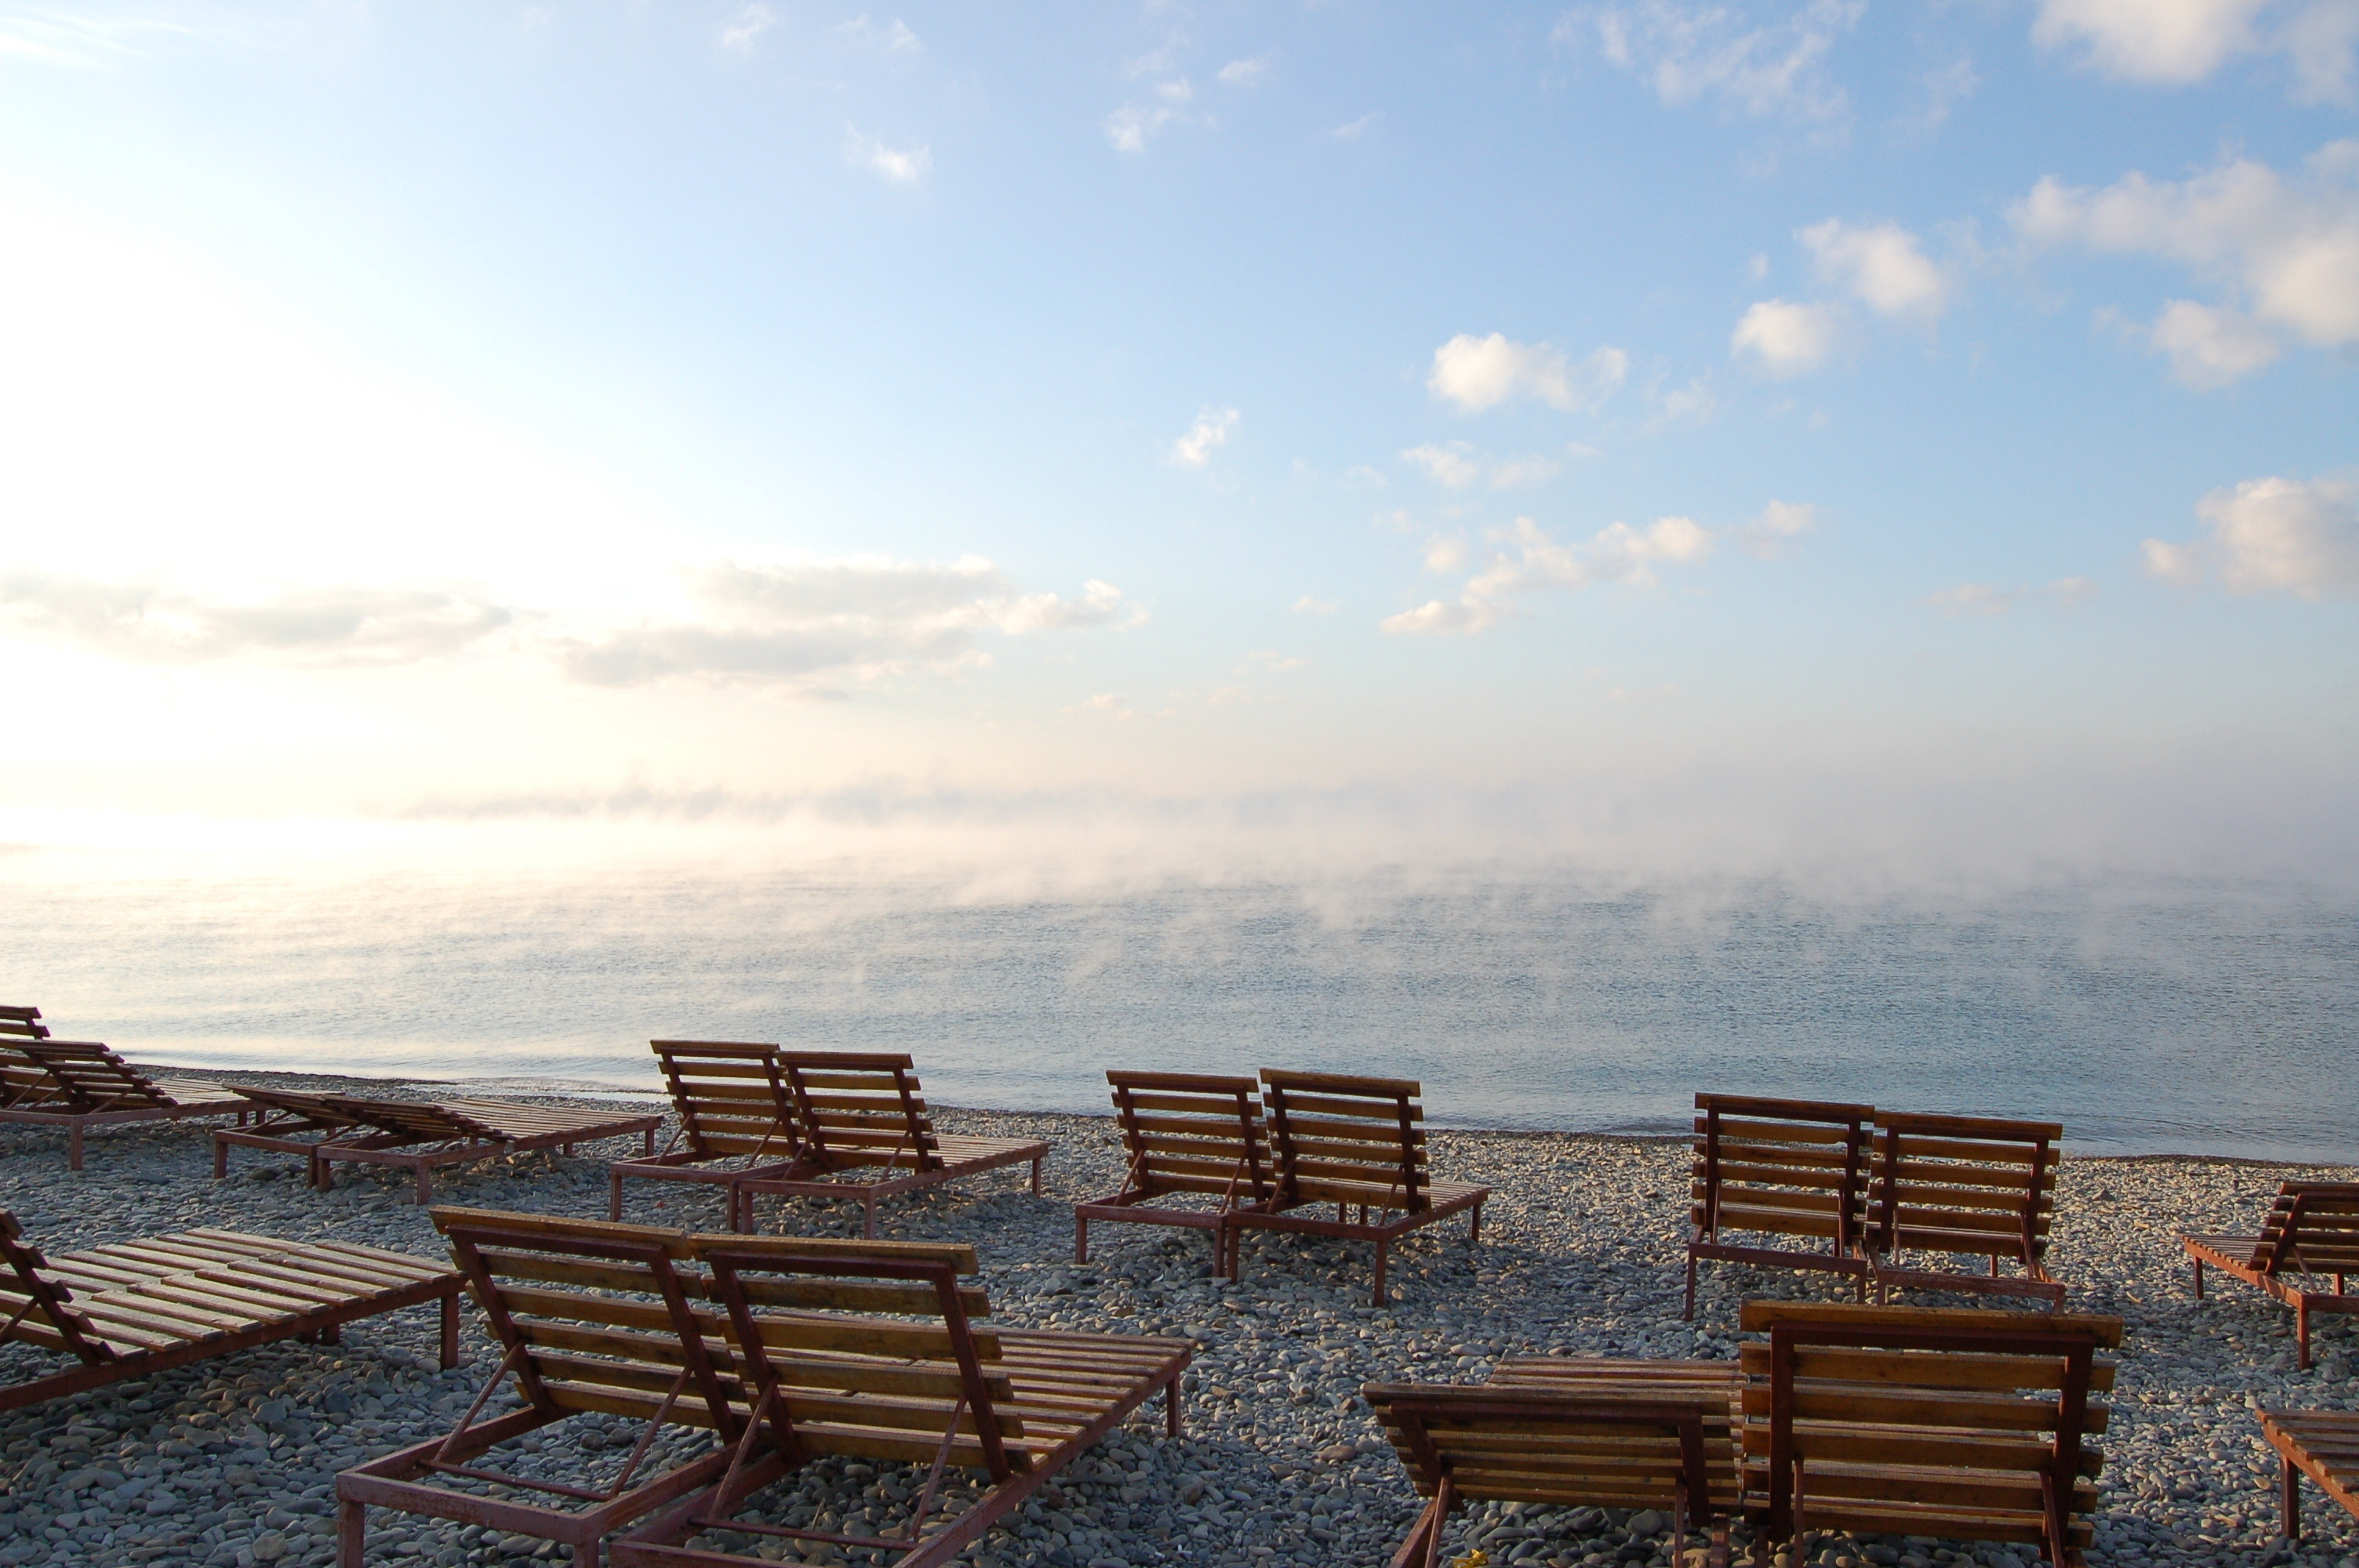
[(1780, 1168), (79, 1083), (139, 1307), (736, 1120), (418, 1135), (870, 1349), (1354, 1143), (1969, 1186), (1570, 1432), (1189, 1135), (860, 1111), (2313, 1231), (1912, 1421), (2320, 1445)]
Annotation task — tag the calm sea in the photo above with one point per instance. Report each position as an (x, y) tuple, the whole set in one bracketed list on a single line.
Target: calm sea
[(2145, 1015)]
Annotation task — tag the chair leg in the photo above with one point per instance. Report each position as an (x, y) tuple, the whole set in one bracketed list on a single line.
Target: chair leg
[(450, 1331), (2290, 1494), (352, 1532), (614, 1197), (868, 1220), (74, 1147), (1171, 1407), (2301, 1330), (1474, 1228), (425, 1185), (1035, 1176), (1688, 1315), (1082, 1237), (220, 1159), (1380, 1272)]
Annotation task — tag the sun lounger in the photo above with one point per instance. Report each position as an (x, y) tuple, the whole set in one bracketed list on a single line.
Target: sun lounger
[(1968, 1187), (735, 1121), (1354, 1143), (860, 1112), (286, 1121), (78, 1085), (131, 1310), (2311, 1232), (1780, 1168), (25, 1022), (2320, 1445), (1908, 1421), (418, 1135), (22, 1079), (871, 1350), (1186, 1135), (1570, 1432)]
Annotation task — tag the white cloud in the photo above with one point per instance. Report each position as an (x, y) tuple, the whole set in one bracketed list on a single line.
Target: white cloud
[(1460, 467), (2071, 592), (1445, 553), (749, 23), (1129, 127), (1527, 560), (1784, 339), (2270, 536), (2175, 42), (1773, 532), (813, 625), (1945, 89), (1690, 53), (1694, 402), (1482, 372), (1244, 72), (1975, 599), (1884, 266), (2209, 348), (1307, 605), (1207, 435), (902, 168), (2286, 252), (889, 41), (151, 622), (1349, 129)]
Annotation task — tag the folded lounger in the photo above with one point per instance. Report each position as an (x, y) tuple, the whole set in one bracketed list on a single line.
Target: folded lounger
[(1911, 1421), (782, 1349), (2311, 1232), (737, 1121), (866, 1134), (2320, 1445), (1190, 1136), (1570, 1432), (1779, 1169), (139, 1307), (78, 1085), (1354, 1143), (1968, 1187)]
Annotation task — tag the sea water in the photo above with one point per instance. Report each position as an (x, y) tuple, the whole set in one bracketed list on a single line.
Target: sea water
[(2147, 1015)]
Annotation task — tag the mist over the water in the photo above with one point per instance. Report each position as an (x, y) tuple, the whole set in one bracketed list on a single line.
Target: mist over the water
[(2147, 1013)]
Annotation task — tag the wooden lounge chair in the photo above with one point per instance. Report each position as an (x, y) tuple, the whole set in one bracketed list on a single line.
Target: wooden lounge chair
[(78, 1085), (910, 1378), (418, 1135), (1912, 1421), (1969, 1186), (860, 1112), (1578, 1432), (1780, 1168), (137, 1308), (286, 1121), (1354, 1142), (2311, 1231), (2320, 1445), (25, 1022), (735, 1120), (1191, 1135)]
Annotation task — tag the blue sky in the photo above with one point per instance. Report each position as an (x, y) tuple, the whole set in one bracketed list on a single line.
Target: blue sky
[(1753, 420)]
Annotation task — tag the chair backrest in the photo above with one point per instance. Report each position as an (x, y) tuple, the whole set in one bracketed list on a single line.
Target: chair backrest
[(867, 1348), (39, 1310), (1193, 1132), (1781, 1166), (1625, 1447), (860, 1107), (730, 1095), (1343, 1139), (1964, 1184), (90, 1077), (597, 1316), (296, 1102), (1925, 1421), (2313, 1228), (418, 1120), (23, 1021)]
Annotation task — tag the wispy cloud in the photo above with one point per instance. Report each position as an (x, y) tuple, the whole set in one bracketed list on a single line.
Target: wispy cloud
[(1244, 72), (1351, 129), (2269, 535), (46, 35), (1776, 531), (1307, 605), (1209, 433), (1783, 339), (747, 24), (1128, 128), (893, 39), (154, 622), (901, 166), (1526, 559), (1722, 54), (1477, 373), (1458, 466), (1976, 599)]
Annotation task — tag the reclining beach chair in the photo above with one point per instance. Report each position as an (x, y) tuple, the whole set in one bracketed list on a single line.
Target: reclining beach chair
[(25, 1022), (22, 1079), (1354, 1143), (78, 1085), (2320, 1445), (1189, 1135), (139, 1307), (1572, 1432), (1780, 1168), (1911, 1421), (416, 1135), (2313, 1231), (1969, 1186), (859, 1113), (735, 1121), (871, 1349)]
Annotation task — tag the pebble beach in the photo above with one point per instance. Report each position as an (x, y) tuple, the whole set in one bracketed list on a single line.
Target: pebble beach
[(232, 1463)]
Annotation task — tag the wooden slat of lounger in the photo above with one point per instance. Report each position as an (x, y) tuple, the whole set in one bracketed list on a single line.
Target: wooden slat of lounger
[(868, 1337), (515, 1119), (2325, 1444), (956, 1149), (1343, 1115), (1739, 1132)]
